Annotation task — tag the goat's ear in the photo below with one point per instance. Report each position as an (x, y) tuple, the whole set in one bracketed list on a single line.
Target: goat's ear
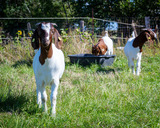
[(57, 39), (35, 40), (148, 36), (52, 27)]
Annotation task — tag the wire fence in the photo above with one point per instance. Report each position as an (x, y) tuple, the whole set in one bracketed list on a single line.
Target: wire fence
[(118, 28)]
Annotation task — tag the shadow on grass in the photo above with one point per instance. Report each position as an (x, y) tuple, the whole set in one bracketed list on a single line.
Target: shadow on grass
[(12, 103), (100, 69), (17, 104), (108, 70), (79, 65), (23, 62)]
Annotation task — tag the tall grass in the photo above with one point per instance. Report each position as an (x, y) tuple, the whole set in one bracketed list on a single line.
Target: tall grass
[(87, 96)]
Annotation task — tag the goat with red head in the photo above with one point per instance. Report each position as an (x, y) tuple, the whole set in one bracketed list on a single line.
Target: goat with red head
[(48, 63)]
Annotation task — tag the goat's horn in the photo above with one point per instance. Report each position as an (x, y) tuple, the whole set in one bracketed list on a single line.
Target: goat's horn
[(54, 24), (37, 24)]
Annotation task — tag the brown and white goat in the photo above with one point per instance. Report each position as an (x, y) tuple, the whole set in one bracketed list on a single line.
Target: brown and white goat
[(103, 47), (48, 63), (133, 48)]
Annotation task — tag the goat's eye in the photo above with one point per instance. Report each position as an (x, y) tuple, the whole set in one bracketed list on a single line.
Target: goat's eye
[(47, 26)]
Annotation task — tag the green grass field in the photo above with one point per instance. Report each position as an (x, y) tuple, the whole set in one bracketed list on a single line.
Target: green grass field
[(87, 96)]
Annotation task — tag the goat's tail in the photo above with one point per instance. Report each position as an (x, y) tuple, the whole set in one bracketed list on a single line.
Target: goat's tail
[(106, 33), (133, 34)]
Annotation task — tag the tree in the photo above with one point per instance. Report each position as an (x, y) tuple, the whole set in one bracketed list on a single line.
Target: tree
[(31, 8)]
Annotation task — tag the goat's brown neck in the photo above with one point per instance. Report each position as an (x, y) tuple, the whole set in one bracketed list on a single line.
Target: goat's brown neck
[(139, 41), (46, 52)]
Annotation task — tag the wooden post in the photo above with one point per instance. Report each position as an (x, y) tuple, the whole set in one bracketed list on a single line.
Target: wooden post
[(81, 29), (82, 26), (147, 22), (29, 28), (134, 28)]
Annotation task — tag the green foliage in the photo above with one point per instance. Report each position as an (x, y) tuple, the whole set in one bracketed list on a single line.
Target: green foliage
[(115, 8), (30, 8), (105, 9)]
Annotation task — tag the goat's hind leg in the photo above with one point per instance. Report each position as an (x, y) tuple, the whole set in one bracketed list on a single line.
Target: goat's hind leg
[(131, 63), (53, 97)]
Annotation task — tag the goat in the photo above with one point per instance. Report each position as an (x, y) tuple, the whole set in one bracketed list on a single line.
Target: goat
[(133, 48), (104, 46), (48, 63)]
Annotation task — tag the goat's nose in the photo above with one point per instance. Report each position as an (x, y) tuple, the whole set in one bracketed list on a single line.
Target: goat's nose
[(43, 44), (46, 42)]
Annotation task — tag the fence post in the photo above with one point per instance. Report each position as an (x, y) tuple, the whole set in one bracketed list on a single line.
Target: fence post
[(82, 26), (29, 28), (147, 22), (81, 29), (134, 28)]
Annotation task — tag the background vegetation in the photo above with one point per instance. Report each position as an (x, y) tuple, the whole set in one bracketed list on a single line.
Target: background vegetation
[(80, 8), (87, 96), (104, 9)]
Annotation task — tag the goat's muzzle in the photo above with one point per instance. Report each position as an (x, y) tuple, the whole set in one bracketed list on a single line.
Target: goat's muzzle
[(45, 42)]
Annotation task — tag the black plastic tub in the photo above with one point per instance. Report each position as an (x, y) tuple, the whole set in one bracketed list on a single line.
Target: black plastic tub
[(88, 59)]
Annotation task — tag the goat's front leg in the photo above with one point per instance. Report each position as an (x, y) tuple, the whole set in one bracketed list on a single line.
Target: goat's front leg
[(131, 65), (53, 97), (39, 100), (138, 65), (43, 97)]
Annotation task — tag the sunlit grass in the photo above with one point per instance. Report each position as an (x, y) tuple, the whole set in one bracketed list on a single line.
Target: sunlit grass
[(87, 96)]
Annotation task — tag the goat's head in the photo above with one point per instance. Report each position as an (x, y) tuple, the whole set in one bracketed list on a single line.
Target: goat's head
[(95, 50), (100, 48), (150, 35), (44, 33), (146, 35)]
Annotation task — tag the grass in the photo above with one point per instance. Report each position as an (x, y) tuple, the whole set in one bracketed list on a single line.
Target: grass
[(87, 96)]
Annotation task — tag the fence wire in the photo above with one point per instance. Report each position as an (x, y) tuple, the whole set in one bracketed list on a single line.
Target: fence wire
[(118, 28)]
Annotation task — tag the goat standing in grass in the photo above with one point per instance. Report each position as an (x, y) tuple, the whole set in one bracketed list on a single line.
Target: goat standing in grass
[(133, 48), (104, 46), (48, 63)]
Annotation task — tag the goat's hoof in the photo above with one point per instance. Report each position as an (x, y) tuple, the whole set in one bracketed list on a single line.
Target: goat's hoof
[(53, 115), (137, 74)]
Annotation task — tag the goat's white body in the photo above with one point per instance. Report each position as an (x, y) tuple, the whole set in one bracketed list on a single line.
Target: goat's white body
[(35, 51), (109, 44), (48, 74), (133, 54)]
